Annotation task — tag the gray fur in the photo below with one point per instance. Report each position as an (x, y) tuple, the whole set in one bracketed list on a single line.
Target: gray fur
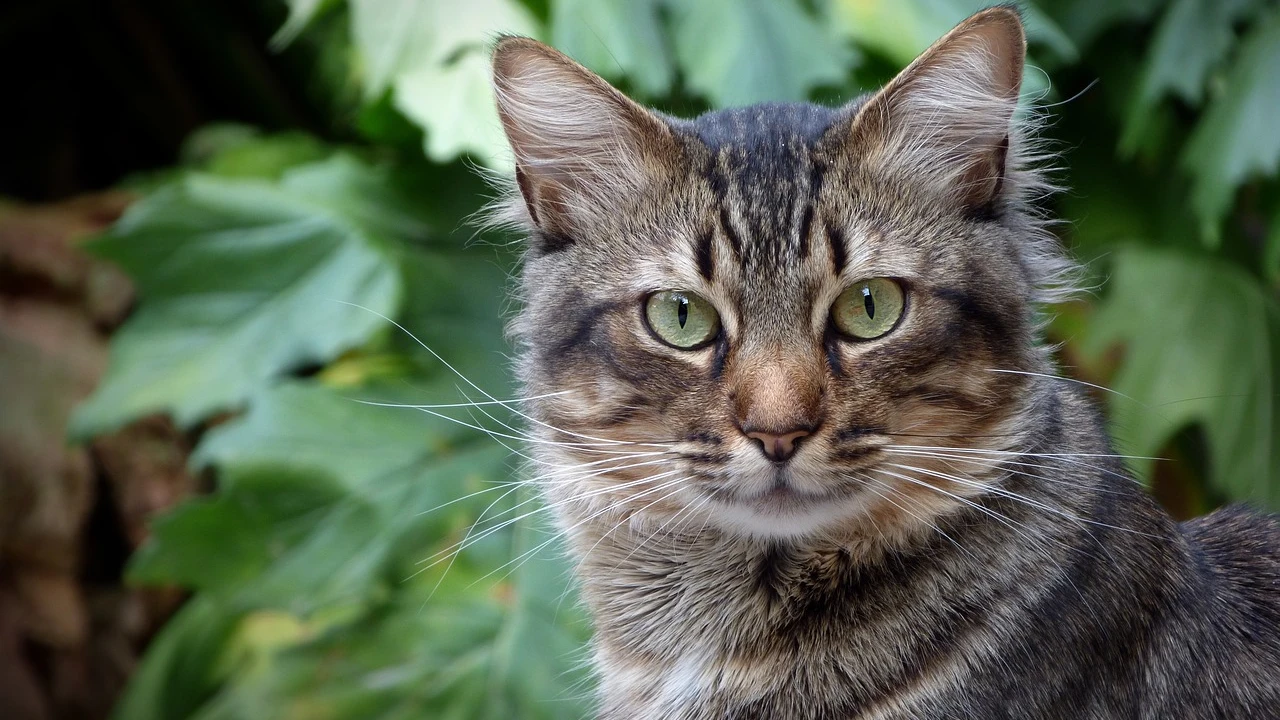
[(954, 538)]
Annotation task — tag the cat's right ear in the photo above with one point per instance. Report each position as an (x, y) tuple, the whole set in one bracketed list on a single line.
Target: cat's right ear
[(947, 119), (579, 144)]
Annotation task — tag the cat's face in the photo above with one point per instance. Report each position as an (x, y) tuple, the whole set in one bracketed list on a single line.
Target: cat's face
[(767, 319)]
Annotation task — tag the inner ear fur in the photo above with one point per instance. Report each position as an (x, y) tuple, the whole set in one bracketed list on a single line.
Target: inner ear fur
[(579, 144), (946, 119)]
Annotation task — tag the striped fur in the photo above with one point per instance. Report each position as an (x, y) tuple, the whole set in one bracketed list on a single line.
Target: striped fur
[(954, 537)]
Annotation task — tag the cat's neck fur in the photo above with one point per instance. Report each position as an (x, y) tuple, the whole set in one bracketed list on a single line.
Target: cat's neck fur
[(694, 623)]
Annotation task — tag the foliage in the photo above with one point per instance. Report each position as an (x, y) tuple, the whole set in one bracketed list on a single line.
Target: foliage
[(284, 277)]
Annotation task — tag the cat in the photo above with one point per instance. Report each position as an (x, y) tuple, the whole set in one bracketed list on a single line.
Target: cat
[(794, 416)]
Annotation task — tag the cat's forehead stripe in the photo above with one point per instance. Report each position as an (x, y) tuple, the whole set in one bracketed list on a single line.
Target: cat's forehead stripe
[(839, 249), (729, 231), (706, 259)]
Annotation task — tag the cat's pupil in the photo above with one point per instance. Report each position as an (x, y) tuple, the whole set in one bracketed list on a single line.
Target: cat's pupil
[(869, 303), (682, 312)]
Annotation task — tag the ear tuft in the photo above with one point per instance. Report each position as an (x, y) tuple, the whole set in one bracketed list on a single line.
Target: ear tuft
[(947, 118), (579, 144)]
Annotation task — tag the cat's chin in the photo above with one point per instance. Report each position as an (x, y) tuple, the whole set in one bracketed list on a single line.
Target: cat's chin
[(784, 513)]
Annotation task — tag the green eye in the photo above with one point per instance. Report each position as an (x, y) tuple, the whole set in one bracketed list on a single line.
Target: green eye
[(868, 308), (681, 319)]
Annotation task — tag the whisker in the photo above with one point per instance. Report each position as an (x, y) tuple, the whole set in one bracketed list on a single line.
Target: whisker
[(1049, 376), (603, 442), (689, 508), (445, 406), (596, 514), (467, 380), (873, 483), (1019, 452), (522, 438), (463, 544), (1019, 498), (1000, 465), (1007, 522)]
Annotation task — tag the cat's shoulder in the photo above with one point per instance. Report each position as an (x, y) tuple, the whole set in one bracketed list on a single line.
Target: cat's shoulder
[(1239, 529), (1239, 547)]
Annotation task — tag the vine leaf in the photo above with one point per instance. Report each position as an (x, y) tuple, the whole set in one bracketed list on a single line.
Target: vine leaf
[(310, 561), (1191, 41), (434, 56), (1236, 139), (758, 50), (1224, 319), (240, 281), (616, 38)]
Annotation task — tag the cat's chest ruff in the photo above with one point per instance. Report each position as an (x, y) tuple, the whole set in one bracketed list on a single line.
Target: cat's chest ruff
[(702, 683), (718, 632), (737, 633)]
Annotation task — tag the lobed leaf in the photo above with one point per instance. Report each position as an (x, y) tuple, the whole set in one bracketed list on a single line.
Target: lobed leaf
[(434, 55), (329, 509), (239, 282), (1223, 320), (620, 39), (1191, 41), (1236, 139), (757, 50)]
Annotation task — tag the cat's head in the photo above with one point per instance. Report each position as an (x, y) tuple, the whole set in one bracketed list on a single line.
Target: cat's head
[(740, 320)]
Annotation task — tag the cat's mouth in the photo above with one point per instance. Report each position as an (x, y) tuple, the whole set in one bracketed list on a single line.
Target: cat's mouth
[(784, 506), (788, 496), (784, 493)]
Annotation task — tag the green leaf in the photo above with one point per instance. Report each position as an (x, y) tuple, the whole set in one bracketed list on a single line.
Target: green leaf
[(1271, 253), (454, 304), (301, 13), (1222, 373), (1085, 20), (434, 55), (182, 668), (899, 30), (332, 433), (469, 648), (320, 495), (268, 157), (327, 510), (1192, 39), (616, 38), (239, 282), (467, 122), (1236, 140), (378, 200), (756, 50), (226, 541), (902, 29)]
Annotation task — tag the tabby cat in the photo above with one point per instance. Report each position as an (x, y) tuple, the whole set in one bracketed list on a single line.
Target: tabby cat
[(792, 409)]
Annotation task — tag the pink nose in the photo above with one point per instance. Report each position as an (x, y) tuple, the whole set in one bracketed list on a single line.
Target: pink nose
[(778, 447)]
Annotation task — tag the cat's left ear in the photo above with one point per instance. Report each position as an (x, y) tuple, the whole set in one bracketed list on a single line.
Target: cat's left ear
[(946, 119), (581, 147)]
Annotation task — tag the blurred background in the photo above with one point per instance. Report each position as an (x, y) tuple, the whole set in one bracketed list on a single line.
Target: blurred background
[(225, 223)]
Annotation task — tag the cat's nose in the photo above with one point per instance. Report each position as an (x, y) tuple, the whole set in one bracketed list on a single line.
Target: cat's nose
[(778, 447)]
